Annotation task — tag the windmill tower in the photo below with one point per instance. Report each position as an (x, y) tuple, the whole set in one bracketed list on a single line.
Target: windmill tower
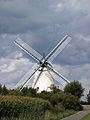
[(43, 68), (43, 80)]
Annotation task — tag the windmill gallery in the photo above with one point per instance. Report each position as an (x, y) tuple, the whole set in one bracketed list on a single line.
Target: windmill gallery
[(41, 71)]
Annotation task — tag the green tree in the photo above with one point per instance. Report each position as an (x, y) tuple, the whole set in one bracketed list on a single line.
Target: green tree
[(29, 92), (45, 95), (75, 88), (88, 98), (5, 91), (0, 88)]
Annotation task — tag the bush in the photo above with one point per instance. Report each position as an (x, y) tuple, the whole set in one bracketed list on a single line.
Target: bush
[(45, 95), (58, 108), (15, 92), (29, 92), (57, 98), (72, 102), (68, 101)]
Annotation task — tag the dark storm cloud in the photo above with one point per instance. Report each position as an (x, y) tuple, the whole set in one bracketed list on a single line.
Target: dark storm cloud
[(20, 17), (42, 24), (45, 23)]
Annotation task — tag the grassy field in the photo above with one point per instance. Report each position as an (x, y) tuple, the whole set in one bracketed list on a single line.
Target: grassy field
[(86, 107), (87, 117)]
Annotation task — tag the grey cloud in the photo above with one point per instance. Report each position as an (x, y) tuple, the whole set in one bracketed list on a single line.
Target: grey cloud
[(41, 24)]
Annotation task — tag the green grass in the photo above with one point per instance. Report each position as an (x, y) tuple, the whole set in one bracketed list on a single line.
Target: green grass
[(87, 117)]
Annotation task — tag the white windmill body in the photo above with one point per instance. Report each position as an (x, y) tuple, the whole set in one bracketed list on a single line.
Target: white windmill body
[(44, 81), (43, 68)]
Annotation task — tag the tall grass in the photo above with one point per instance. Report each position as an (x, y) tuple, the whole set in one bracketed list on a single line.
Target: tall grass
[(51, 117), (59, 116), (23, 107)]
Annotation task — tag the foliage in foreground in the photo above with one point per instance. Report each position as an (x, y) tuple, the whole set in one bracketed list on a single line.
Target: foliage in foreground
[(16, 104), (23, 105), (67, 100), (60, 115), (46, 117)]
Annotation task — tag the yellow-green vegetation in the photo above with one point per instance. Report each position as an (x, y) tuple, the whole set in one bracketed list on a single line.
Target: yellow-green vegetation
[(27, 104), (45, 117), (87, 117), (16, 106), (86, 107), (61, 115), (19, 98), (21, 107)]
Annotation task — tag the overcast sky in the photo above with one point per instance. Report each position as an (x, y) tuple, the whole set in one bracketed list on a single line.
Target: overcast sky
[(41, 24)]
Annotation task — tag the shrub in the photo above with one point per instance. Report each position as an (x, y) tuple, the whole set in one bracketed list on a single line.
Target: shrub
[(29, 92), (58, 108), (45, 95), (71, 102), (57, 98), (16, 92)]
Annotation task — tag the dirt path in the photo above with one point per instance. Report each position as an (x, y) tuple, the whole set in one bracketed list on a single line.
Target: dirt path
[(78, 115)]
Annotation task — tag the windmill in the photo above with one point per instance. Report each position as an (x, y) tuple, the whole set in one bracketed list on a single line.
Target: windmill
[(43, 68)]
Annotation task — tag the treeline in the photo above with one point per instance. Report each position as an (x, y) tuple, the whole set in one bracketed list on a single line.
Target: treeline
[(88, 100), (57, 101), (4, 90)]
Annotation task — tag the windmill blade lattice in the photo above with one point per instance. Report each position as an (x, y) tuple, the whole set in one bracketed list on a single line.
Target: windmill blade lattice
[(38, 77), (58, 48), (61, 76), (43, 67), (27, 77), (28, 49)]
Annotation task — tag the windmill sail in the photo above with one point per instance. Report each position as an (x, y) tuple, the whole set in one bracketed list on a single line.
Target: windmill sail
[(38, 77), (27, 77), (43, 78), (61, 76), (28, 49), (58, 48)]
